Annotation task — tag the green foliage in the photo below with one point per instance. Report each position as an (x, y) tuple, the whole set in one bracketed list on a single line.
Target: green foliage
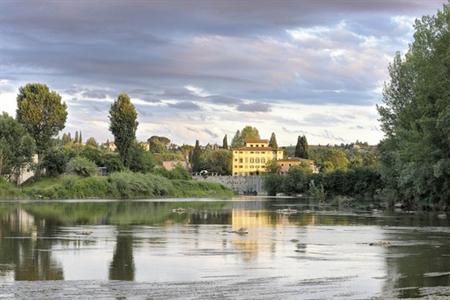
[(140, 160), (196, 158), (177, 173), (237, 140), (158, 144), (301, 150), (16, 146), (415, 117), (112, 162), (123, 125), (55, 161), (81, 166), (247, 133), (41, 112), (217, 161), (136, 185), (225, 142), (91, 142), (359, 182), (273, 141), (273, 183)]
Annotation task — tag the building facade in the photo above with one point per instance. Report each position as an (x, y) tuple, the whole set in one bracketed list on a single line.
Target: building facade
[(252, 159)]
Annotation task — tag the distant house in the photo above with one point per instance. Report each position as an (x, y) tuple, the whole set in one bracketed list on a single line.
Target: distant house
[(145, 146), (110, 146), (287, 163), (252, 159), (169, 165)]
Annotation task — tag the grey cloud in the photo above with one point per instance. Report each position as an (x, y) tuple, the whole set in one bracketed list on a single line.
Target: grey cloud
[(185, 105), (253, 107)]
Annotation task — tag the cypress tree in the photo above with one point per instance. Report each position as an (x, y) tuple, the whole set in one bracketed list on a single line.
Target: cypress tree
[(273, 141), (196, 157), (225, 142)]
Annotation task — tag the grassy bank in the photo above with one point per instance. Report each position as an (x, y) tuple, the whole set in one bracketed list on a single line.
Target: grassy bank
[(121, 185)]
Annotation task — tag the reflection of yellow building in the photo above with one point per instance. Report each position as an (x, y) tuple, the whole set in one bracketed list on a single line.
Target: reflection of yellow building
[(253, 157)]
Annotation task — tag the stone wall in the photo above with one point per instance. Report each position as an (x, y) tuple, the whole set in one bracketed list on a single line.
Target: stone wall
[(240, 184)]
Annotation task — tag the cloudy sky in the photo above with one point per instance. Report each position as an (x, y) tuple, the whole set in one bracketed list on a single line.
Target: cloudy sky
[(203, 69)]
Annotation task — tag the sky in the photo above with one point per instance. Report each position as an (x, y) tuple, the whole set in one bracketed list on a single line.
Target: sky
[(202, 69)]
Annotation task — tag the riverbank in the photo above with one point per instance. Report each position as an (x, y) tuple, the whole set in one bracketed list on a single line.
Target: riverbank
[(121, 185)]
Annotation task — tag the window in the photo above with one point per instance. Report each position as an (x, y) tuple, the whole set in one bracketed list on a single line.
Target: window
[(240, 167), (246, 160), (235, 159), (252, 160), (241, 160), (263, 160), (251, 145), (257, 160)]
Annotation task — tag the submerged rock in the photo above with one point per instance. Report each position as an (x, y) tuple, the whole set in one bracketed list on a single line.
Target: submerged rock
[(380, 243)]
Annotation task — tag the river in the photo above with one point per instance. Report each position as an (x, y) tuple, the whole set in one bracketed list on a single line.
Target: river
[(245, 248)]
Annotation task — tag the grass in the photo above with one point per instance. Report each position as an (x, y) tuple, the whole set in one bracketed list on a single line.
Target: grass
[(120, 185)]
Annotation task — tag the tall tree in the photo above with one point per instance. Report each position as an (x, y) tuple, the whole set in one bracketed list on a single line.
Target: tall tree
[(91, 142), (16, 146), (273, 141), (237, 140), (76, 137), (301, 149), (415, 117), (197, 157), (80, 139), (225, 142), (66, 139), (42, 113), (123, 125)]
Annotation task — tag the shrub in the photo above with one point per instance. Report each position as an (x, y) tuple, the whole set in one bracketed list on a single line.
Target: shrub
[(177, 173), (81, 166), (137, 185)]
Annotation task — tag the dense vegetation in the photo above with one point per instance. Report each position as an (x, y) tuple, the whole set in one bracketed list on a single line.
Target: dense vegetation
[(415, 117), (119, 185)]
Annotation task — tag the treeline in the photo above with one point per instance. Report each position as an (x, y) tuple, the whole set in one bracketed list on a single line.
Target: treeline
[(360, 182)]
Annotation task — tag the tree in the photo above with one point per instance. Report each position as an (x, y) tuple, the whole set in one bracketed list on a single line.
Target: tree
[(301, 149), (140, 160), (76, 137), (80, 139), (158, 144), (415, 117), (123, 125), (196, 160), (91, 142), (16, 146), (217, 161), (42, 113), (225, 142), (273, 141), (81, 166), (237, 140), (66, 139), (249, 133)]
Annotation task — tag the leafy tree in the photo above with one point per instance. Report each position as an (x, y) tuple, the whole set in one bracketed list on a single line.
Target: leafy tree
[(140, 160), (42, 113), (55, 160), (301, 150), (415, 117), (272, 183), (217, 161), (158, 144), (91, 142), (16, 146), (196, 159), (123, 125), (273, 141), (81, 166), (249, 133), (112, 162), (237, 140), (225, 142)]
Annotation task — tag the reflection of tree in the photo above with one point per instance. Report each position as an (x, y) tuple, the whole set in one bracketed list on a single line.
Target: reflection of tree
[(29, 255), (122, 265)]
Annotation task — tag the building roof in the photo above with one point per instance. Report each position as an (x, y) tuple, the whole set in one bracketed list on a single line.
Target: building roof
[(257, 149), (256, 141)]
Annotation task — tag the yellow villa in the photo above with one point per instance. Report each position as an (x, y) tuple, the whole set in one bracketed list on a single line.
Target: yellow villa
[(253, 157)]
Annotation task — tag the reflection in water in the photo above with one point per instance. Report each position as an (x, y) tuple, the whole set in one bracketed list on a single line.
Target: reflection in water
[(122, 265), (327, 252)]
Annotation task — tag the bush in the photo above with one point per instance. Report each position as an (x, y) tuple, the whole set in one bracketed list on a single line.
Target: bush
[(177, 173), (137, 185), (55, 161), (273, 184), (81, 166), (140, 160)]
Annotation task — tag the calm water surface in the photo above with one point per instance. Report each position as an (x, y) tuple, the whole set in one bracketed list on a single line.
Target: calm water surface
[(244, 248)]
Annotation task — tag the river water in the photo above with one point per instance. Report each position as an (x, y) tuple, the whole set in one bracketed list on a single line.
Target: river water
[(245, 248)]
